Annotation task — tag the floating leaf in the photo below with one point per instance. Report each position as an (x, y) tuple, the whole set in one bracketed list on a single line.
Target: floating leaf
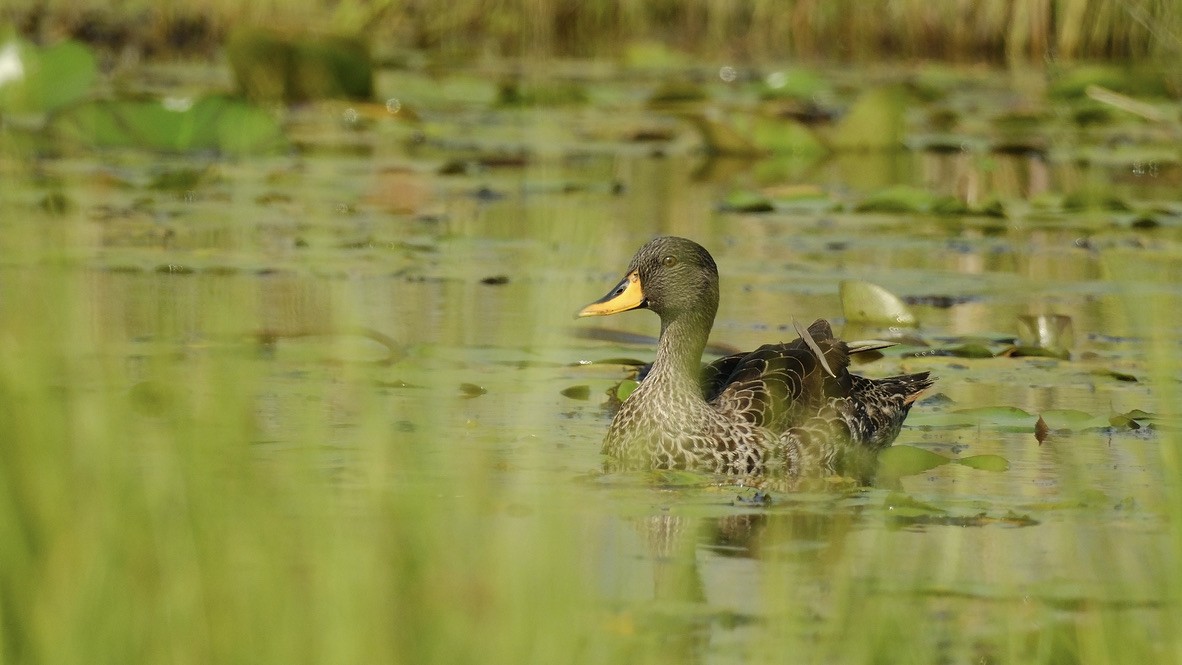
[(470, 390), (210, 124), (902, 460), (625, 388), (1005, 418), (745, 201), (786, 137), (39, 80), (863, 302), (995, 463), (1073, 420), (972, 350), (1119, 376), (902, 505), (582, 392), (797, 84), (1035, 352), (1041, 431)]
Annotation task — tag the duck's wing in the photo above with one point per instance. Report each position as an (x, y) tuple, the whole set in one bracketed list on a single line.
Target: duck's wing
[(778, 383)]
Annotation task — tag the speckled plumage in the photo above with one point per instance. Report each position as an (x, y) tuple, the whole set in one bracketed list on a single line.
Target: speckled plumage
[(774, 410)]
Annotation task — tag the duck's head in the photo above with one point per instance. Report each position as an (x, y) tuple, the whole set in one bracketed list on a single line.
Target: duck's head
[(671, 276)]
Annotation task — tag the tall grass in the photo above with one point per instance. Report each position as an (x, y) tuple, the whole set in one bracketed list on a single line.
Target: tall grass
[(997, 30), (145, 517)]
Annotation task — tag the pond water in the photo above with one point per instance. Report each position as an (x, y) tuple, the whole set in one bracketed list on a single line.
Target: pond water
[(412, 285)]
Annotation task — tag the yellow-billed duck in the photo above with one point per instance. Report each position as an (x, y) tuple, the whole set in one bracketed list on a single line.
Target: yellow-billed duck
[(784, 408)]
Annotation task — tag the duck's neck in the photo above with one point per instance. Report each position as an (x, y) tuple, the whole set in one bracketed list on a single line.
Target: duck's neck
[(678, 363)]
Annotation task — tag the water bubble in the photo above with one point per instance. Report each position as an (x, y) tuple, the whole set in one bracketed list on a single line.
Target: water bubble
[(393, 105), (1138, 169), (776, 80), (343, 208), (1153, 169), (350, 115), (727, 73)]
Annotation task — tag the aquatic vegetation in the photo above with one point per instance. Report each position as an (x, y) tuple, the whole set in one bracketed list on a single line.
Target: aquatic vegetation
[(300, 383)]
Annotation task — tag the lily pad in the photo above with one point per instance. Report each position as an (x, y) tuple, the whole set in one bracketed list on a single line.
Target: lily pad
[(745, 201), (787, 137), (863, 302), (902, 460), (581, 392), (40, 80), (995, 463), (217, 124)]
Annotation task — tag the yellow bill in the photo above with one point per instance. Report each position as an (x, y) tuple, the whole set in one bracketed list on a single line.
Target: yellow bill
[(628, 294)]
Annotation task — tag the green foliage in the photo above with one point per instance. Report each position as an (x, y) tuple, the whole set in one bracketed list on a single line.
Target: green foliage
[(216, 124), (269, 66), (48, 79)]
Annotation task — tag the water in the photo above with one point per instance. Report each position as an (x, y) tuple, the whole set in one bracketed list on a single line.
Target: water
[(380, 304)]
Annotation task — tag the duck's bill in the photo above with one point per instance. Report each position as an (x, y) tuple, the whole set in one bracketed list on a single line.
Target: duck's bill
[(626, 295)]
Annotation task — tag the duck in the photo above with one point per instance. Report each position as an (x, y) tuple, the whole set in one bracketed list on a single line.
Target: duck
[(789, 408)]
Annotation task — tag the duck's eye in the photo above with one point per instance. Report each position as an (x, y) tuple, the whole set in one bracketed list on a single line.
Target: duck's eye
[(669, 261)]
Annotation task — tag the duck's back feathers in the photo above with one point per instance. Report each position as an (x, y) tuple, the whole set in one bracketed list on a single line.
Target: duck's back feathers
[(778, 383), (781, 386)]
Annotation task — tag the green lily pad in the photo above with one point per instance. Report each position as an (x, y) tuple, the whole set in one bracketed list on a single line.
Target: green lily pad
[(581, 392), (1004, 418), (970, 350), (219, 124), (902, 505), (1073, 420), (48, 79), (995, 463), (625, 389), (792, 84), (745, 201), (787, 137), (863, 302), (902, 460)]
